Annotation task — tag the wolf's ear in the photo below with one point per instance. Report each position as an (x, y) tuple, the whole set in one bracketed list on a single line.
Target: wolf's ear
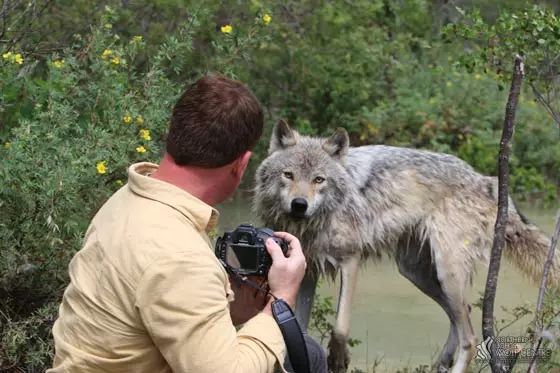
[(337, 144), (282, 137)]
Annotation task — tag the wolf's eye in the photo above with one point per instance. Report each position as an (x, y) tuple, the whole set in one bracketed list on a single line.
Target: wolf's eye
[(289, 175), (319, 180)]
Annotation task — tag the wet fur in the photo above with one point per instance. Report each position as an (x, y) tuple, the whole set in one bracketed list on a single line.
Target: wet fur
[(431, 212)]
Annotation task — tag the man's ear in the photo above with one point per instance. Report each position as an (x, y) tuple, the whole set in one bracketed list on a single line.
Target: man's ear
[(282, 137), (241, 164), (337, 144)]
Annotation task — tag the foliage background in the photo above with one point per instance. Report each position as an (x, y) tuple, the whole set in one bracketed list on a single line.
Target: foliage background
[(73, 117)]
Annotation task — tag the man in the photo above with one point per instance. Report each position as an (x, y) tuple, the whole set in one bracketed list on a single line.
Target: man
[(147, 293)]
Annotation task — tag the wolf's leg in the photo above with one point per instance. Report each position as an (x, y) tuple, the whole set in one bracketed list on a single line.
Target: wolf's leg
[(415, 265), (453, 274), (305, 297), (338, 358)]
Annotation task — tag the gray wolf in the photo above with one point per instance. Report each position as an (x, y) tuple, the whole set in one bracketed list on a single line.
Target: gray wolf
[(430, 212)]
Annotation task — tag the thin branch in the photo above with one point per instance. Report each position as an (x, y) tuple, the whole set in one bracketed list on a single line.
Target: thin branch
[(26, 15), (540, 300), (545, 103), (548, 263), (501, 218)]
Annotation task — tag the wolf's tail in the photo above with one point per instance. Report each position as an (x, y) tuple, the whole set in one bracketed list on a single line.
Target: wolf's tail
[(527, 247)]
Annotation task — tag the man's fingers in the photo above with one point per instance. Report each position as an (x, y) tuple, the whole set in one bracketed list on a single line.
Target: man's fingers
[(292, 241), (274, 250), (285, 236)]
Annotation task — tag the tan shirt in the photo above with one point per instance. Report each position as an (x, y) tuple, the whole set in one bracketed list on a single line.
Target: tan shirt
[(147, 293)]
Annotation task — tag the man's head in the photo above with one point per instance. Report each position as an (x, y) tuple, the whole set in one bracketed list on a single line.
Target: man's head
[(215, 124)]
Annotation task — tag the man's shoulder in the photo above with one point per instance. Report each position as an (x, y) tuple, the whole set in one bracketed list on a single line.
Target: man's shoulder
[(134, 232), (139, 216)]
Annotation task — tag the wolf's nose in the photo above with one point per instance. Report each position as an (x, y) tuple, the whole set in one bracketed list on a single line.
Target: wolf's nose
[(299, 205)]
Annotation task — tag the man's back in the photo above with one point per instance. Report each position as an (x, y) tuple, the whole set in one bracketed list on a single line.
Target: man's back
[(147, 293), (147, 236)]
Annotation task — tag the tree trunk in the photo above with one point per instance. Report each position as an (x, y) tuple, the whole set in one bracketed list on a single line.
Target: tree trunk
[(501, 220)]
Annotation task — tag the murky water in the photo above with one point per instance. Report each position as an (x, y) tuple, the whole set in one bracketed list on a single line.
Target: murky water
[(394, 320)]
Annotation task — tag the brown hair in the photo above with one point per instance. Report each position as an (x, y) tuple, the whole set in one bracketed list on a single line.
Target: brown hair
[(214, 122)]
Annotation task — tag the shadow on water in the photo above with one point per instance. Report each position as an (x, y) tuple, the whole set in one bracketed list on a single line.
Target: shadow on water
[(393, 319)]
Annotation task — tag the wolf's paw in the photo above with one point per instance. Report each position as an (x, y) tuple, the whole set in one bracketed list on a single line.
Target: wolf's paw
[(339, 356), (442, 368), (444, 363)]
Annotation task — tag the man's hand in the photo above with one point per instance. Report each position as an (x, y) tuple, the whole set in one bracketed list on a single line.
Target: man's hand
[(286, 273), (248, 301)]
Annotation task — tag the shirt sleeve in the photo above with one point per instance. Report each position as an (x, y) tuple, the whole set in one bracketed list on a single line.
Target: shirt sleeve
[(183, 304)]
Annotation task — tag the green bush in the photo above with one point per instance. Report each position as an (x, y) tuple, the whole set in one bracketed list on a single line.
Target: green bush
[(450, 110), (374, 68), (93, 115)]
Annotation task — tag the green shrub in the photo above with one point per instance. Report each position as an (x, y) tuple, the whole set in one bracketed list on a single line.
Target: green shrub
[(93, 115), (373, 68)]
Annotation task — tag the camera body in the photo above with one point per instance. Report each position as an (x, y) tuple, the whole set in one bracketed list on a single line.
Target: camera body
[(244, 250)]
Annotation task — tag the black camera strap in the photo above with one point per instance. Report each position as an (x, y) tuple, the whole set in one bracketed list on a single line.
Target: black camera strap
[(289, 326), (295, 342)]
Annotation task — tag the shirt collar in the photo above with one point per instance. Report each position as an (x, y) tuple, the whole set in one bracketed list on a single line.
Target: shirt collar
[(203, 216)]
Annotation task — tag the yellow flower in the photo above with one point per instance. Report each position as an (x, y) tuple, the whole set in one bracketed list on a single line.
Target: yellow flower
[(145, 134), (372, 129), (106, 53), (139, 119), (266, 18), (59, 63), (7, 144), (141, 149), (127, 118), (226, 29), (138, 38), (7, 55), (108, 26), (19, 60), (116, 60), (101, 167)]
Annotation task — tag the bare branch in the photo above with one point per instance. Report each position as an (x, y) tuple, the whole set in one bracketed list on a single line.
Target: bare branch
[(540, 300), (501, 218), (17, 19), (545, 103)]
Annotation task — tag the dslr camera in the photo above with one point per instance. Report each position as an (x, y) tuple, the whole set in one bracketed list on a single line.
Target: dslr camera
[(244, 250)]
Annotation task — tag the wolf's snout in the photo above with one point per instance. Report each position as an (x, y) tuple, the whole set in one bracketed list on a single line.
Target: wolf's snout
[(299, 205)]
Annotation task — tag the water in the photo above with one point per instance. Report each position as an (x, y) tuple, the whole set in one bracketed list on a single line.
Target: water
[(394, 320)]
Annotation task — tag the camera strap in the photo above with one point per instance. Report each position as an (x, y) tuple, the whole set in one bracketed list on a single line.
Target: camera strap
[(293, 336), (288, 324)]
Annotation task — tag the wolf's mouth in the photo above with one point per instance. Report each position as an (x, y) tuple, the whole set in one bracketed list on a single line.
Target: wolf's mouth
[(296, 215)]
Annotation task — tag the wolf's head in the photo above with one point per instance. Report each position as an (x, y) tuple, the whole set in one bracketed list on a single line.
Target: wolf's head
[(303, 177)]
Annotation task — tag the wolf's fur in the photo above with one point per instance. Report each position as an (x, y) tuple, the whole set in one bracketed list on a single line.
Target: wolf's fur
[(431, 212)]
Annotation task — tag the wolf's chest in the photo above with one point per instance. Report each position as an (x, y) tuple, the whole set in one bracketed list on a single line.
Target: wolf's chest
[(330, 244)]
